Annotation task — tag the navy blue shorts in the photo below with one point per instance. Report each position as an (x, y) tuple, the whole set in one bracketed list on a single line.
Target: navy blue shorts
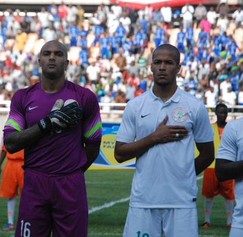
[(53, 204)]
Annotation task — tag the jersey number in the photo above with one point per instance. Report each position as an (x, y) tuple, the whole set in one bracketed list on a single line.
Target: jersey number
[(25, 229), (139, 234)]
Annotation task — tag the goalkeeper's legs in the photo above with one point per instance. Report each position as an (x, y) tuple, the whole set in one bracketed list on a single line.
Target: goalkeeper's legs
[(35, 211), (53, 204), (70, 210)]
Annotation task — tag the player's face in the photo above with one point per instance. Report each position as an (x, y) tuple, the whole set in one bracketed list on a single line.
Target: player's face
[(53, 60), (164, 67), (222, 114)]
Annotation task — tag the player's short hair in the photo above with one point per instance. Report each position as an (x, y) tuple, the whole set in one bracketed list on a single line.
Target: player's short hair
[(171, 48), (220, 105), (62, 46)]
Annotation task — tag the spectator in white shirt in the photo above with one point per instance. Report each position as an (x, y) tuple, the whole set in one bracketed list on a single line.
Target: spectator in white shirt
[(167, 14), (229, 97), (187, 12), (210, 97), (238, 16), (93, 72), (212, 16)]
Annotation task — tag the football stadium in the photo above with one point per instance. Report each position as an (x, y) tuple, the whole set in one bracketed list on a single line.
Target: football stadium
[(110, 45)]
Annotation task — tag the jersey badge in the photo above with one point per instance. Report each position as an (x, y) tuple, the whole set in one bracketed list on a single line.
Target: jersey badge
[(180, 115)]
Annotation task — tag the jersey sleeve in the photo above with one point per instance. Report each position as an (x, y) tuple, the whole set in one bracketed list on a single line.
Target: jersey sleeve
[(127, 129), (92, 119), (203, 131), (16, 120), (228, 148)]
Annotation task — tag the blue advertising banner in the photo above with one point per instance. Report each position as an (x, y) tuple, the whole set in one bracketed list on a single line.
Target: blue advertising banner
[(106, 159)]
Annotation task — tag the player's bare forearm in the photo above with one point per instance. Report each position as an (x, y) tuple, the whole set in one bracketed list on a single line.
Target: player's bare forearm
[(206, 156), (2, 158), (17, 141), (226, 170), (127, 151), (92, 151)]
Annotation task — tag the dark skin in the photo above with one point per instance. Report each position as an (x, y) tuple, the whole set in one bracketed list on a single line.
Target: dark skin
[(226, 170), (53, 61), (2, 157), (165, 66), (221, 115)]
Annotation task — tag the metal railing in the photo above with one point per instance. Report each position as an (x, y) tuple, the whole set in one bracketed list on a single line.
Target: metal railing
[(112, 112)]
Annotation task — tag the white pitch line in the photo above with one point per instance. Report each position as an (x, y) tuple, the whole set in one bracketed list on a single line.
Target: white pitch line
[(111, 204), (108, 205), (200, 177)]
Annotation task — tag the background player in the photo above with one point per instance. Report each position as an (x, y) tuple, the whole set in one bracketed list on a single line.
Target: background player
[(12, 182), (211, 185)]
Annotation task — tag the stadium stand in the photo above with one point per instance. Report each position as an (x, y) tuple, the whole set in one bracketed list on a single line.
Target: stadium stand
[(109, 44)]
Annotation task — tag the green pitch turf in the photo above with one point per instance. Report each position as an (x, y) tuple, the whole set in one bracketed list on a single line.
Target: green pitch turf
[(108, 194)]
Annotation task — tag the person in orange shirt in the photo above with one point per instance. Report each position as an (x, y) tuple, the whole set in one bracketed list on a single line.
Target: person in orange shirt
[(211, 185), (12, 182)]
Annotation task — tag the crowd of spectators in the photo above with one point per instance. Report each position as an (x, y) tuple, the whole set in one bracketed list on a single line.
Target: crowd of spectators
[(110, 51)]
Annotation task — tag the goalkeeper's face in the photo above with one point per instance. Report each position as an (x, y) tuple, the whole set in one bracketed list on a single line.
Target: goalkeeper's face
[(53, 60)]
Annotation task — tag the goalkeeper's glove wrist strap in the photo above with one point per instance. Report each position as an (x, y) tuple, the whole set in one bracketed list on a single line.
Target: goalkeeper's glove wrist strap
[(45, 125)]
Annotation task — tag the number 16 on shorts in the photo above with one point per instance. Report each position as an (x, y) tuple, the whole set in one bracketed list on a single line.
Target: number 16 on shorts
[(25, 229)]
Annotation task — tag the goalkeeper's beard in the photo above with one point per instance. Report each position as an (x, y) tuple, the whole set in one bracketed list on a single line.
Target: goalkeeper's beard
[(54, 75)]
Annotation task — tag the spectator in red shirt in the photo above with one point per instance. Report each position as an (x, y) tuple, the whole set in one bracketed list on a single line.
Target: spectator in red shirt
[(138, 91)]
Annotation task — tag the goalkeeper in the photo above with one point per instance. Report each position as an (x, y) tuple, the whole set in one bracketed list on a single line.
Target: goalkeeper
[(58, 125)]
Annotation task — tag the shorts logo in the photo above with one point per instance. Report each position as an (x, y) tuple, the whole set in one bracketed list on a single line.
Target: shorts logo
[(180, 115)]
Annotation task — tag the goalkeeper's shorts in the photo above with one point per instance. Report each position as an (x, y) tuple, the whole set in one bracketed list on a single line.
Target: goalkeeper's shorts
[(53, 204)]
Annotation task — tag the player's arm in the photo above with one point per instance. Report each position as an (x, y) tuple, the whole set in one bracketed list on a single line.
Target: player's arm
[(19, 140), (127, 151), (205, 157), (226, 169), (92, 151), (92, 129), (68, 117), (2, 157)]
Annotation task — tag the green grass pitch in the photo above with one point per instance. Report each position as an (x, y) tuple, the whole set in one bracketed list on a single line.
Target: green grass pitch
[(108, 193)]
